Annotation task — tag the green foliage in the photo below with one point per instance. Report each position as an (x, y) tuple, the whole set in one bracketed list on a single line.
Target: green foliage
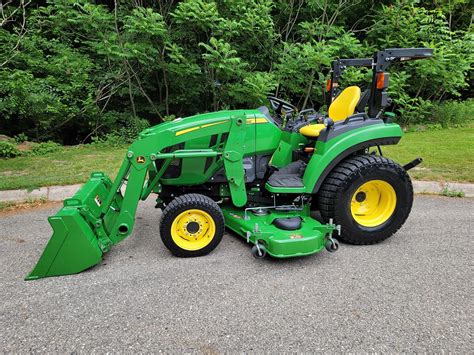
[(44, 148), (129, 129), (454, 113), (414, 110), (8, 150), (253, 89), (407, 24), (20, 138), (71, 70), (447, 191)]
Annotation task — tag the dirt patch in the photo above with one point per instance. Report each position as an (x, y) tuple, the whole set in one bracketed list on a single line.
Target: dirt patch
[(421, 168), (12, 173), (25, 146), (16, 208)]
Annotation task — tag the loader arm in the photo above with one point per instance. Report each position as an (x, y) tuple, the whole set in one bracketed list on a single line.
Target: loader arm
[(140, 159), (102, 213)]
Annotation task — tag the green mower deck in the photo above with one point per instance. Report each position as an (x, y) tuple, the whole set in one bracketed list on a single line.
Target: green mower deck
[(256, 226)]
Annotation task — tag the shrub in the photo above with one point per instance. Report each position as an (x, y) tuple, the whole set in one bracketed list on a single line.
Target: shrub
[(45, 148), (20, 138), (454, 113), (109, 140), (414, 111), (8, 150), (124, 135)]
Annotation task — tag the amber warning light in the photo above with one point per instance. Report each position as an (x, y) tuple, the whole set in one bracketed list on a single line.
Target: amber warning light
[(380, 84), (328, 85)]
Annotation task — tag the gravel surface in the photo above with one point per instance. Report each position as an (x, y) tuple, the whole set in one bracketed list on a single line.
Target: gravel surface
[(411, 293)]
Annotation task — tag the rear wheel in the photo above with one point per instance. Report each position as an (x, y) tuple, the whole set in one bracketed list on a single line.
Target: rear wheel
[(192, 225), (369, 196)]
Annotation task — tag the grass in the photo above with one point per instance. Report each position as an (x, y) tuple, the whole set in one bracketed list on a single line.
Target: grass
[(448, 155), (452, 193), (69, 165)]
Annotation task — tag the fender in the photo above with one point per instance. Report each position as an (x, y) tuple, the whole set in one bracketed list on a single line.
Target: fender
[(340, 142)]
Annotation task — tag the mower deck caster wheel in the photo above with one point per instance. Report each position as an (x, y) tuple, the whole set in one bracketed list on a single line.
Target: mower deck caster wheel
[(332, 245), (259, 251)]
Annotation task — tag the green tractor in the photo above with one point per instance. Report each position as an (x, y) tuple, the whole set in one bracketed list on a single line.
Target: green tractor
[(261, 175)]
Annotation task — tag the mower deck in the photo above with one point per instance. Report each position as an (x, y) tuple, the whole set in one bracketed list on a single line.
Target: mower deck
[(258, 226)]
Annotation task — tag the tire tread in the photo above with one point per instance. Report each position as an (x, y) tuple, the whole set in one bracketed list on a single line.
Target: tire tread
[(338, 180), (197, 201)]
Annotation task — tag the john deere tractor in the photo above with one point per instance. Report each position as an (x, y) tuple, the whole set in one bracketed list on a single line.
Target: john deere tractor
[(262, 174)]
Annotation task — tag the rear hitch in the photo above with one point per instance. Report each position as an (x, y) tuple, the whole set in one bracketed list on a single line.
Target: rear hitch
[(412, 164)]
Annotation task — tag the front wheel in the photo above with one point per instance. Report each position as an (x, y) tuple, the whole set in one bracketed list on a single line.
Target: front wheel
[(369, 196), (192, 225)]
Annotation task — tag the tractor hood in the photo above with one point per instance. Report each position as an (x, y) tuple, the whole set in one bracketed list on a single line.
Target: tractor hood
[(183, 125)]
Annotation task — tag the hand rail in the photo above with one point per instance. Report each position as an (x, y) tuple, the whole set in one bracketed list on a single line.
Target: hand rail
[(362, 115)]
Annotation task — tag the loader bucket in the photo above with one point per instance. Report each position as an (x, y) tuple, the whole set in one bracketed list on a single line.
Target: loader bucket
[(75, 245)]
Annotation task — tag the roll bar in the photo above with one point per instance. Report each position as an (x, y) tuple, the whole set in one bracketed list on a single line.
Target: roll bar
[(379, 63)]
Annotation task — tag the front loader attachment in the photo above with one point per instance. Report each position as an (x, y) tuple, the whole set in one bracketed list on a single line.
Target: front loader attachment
[(72, 248), (79, 231), (102, 213)]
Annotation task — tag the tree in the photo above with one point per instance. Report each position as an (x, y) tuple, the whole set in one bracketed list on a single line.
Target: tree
[(74, 69)]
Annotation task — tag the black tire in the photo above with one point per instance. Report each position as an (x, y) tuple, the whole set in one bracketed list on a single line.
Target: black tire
[(191, 202), (339, 190)]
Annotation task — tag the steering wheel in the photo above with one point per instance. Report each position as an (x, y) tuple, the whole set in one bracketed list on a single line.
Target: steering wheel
[(281, 107)]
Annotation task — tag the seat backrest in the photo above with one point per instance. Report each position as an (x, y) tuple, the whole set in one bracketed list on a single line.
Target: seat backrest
[(344, 104), (364, 98)]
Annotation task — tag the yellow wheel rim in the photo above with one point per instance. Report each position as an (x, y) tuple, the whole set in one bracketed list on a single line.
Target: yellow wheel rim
[(193, 229), (373, 203)]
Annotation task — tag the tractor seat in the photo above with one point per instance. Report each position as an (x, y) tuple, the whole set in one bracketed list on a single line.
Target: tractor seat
[(341, 108)]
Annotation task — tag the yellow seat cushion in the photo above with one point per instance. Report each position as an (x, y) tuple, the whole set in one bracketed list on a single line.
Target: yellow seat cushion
[(344, 104), (312, 130)]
